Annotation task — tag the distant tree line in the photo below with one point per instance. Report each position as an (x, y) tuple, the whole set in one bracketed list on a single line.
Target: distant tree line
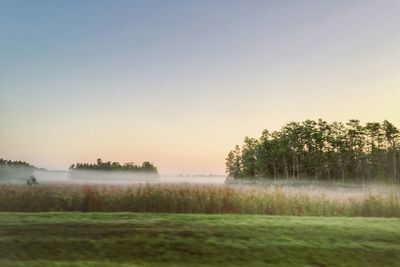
[(12, 170), (10, 163), (115, 166), (330, 151)]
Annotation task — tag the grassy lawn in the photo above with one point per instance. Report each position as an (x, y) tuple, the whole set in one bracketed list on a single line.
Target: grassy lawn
[(149, 239)]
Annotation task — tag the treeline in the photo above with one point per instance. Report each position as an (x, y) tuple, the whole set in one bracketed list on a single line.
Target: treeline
[(10, 163), (330, 151), (115, 166), (15, 170)]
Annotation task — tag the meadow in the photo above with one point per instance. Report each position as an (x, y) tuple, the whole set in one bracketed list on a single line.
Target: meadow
[(204, 199), (247, 223), (154, 239)]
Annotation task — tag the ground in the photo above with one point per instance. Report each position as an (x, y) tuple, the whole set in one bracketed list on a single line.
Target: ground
[(148, 239)]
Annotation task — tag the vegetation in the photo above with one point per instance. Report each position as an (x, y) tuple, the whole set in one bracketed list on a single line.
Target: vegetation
[(115, 166), (11, 170), (10, 163), (197, 199), (129, 239), (31, 180), (326, 151)]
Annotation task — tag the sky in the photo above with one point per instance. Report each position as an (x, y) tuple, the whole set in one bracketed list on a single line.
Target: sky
[(179, 83)]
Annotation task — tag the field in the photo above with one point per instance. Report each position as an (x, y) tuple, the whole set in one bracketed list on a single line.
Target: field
[(198, 225), (208, 199), (148, 239)]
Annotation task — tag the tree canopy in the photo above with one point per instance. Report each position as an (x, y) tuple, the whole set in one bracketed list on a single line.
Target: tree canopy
[(115, 166), (10, 163), (11, 170), (348, 151)]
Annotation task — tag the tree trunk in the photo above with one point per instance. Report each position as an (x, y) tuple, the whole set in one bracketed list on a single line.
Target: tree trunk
[(342, 174), (286, 169), (274, 171), (395, 166), (363, 176), (363, 183), (293, 167), (329, 174)]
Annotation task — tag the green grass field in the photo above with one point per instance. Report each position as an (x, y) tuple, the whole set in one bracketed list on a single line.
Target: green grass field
[(149, 239)]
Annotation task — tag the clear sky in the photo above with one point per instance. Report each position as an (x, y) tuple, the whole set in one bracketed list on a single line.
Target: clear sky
[(179, 83)]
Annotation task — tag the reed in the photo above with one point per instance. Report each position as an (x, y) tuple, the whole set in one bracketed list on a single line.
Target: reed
[(207, 199)]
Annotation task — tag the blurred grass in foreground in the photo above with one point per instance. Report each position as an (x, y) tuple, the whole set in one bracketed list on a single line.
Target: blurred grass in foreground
[(148, 239)]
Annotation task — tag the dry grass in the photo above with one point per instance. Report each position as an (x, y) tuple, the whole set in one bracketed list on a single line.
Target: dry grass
[(184, 198)]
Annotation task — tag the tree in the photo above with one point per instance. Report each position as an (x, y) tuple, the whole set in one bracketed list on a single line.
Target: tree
[(115, 166), (249, 159), (333, 151), (392, 135), (233, 163)]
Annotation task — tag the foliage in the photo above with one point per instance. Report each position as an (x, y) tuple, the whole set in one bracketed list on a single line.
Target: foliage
[(327, 151), (115, 166), (31, 180), (11, 170), (10, 163)]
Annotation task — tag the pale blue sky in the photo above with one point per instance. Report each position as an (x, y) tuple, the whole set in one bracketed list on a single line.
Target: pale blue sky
[(180, 83)]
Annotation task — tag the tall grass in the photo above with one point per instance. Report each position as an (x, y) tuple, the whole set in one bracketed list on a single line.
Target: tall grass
[(196, 199)]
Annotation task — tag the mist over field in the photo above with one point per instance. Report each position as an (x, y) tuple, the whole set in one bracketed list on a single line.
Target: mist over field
[(333, 191), (104, 180), (121, 178)]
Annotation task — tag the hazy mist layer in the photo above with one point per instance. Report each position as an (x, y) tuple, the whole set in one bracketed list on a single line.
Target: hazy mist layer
[(115, 177)]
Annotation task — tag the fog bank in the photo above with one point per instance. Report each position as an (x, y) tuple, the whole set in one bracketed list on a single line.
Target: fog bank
[(118, 177)]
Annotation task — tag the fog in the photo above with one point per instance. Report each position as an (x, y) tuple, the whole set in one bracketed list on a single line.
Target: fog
[(15, 173), (121, 177), (330, 190)]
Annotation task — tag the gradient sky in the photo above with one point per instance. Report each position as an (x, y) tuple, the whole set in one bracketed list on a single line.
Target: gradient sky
[(179, 83)]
